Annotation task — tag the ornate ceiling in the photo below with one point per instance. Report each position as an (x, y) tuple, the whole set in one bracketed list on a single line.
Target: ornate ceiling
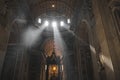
[(63, 8), (45, 7), (16, 8)]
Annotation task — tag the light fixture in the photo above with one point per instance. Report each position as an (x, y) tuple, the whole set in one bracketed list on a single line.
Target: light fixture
[(54, 24), (53, 5), (46, 23), (68, 21), (62, 23), (54, 68), (39, 20)]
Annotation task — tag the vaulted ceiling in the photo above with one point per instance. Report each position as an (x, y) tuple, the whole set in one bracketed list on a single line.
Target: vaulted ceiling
[(61, 7), (36, 8)]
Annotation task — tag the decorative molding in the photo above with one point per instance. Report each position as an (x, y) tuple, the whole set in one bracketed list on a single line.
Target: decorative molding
[(114, 4), (3, 7), (115, 10)]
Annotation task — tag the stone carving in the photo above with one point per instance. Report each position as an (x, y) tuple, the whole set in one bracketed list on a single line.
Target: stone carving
[(3, 7), (115, 9)]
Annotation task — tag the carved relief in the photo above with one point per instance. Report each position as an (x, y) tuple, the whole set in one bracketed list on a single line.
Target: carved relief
[(3, 7), (115, 7), (117, 19), (3, 12)]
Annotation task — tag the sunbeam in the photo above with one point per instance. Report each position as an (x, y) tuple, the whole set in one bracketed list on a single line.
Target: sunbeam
[(107, 61), (31, 35), (59, 42)]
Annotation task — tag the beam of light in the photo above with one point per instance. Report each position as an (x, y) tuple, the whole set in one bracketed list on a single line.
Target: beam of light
[(62, 23), (92, 49), (60, 45), (107, 61), (31, 35), (54, 24), (39, 20), (46, 23)]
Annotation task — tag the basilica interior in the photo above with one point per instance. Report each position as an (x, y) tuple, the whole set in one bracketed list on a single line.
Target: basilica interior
[(59, 39)]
